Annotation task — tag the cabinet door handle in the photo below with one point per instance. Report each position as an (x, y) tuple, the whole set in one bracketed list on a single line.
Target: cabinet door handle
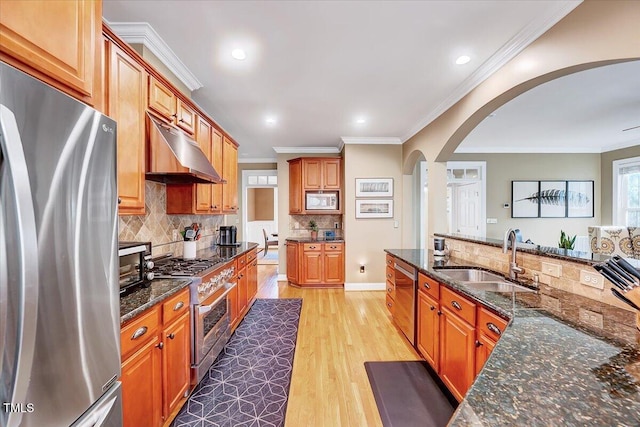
[(178, 306), (493, 328), (160, 345), (456, 305), (478, 343), (426, 285), (255, 263), (432, 308), (139, 332), (171, 336), (333, 247), (119, 200)]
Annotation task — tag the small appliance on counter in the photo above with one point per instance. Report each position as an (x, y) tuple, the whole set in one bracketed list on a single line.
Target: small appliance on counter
[(439, 248), (228, 236), (135, 265)]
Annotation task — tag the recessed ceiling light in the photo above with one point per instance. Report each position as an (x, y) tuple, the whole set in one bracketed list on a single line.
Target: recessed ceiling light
[(238, 54), (270, 120), (462, 60), (361, 121)]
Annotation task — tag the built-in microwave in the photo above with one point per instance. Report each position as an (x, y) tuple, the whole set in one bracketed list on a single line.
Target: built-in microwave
[(321, 201)]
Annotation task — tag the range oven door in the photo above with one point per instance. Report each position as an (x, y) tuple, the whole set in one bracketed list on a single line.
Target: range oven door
[(212, 330)]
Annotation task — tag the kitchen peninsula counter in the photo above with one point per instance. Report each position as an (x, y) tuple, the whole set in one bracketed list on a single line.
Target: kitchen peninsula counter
[(548, 368), (142, 299)]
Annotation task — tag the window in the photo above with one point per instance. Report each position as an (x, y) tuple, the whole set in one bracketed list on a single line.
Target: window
[(626, 192)]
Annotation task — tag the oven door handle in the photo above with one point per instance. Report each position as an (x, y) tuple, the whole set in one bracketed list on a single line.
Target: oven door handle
[(204, 309)]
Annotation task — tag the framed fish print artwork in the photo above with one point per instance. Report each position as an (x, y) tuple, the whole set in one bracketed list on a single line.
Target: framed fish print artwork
[(552, 199), (525, 202), (580, 199)]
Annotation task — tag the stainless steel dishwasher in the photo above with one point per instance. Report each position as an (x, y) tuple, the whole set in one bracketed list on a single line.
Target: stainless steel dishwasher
[(404, 313)]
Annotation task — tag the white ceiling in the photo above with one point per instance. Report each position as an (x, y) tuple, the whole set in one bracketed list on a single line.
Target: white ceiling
[(585, 112), (318, 66)]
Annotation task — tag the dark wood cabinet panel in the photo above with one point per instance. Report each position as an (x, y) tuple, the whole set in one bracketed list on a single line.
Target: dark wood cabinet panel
[(428, 340)]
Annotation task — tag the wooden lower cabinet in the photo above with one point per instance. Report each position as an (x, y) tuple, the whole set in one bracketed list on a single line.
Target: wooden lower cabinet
[(315, 264), (156, 367), (142, 386), (252, 276), (176, 362), (484, 347), (428, 340), (457, 353)]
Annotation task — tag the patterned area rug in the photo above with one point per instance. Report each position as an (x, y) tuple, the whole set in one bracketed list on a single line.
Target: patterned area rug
[(248, 384)]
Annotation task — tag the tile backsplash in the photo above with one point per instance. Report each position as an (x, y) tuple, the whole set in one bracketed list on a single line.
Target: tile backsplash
[(157, 227), (299, 224)]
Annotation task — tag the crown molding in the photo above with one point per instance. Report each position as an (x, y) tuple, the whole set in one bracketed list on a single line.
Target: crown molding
[(307, 150), (526, 150), (371, 140), (257, 160), (506, 53), (143, 33)]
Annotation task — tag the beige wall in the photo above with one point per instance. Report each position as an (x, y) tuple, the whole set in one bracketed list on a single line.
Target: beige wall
[(236, 219), (503, 168), (365, 239), (595, 33), (260, 204), (607, 179)]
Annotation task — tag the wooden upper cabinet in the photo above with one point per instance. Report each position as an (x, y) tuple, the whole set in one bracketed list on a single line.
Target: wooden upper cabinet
[(331, 173), (204, 191), (295, 186), (58, 42), (162, 100), (126, 104), (216, 161), (186, 117), (230, 174), (312, 174)]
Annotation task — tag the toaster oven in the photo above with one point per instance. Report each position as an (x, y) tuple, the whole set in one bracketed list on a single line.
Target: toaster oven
[(135, 264)]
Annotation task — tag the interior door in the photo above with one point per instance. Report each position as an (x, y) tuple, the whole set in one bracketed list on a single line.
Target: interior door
[(467, 209)]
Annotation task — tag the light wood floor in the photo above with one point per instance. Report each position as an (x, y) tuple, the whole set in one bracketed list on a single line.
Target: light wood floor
[(338, 332)]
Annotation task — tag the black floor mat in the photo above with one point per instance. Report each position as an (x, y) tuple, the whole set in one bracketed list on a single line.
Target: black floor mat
[(407, 394)]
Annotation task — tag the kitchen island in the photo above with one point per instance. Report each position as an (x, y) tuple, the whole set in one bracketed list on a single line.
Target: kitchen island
[(551, 366)]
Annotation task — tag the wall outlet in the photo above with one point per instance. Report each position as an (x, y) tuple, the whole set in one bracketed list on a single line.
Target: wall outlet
[(591, 278), (492, 220), (336, 225), (554, 270)]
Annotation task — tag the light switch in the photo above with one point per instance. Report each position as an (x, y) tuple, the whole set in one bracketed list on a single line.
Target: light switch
[(554, 270), (492, 220)]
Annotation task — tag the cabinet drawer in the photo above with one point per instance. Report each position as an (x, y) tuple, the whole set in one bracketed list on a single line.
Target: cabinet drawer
[(459, 305), (428, 285), (241, 262), (333, 247), (136, 333), (252, 255), (312, 247), (391, 274), (490, 324), (390, 303), (390, 260), (391, 290), (175, 306)]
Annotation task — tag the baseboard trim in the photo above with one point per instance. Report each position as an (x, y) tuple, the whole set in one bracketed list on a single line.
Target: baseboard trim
[(365, 286), (282, 278)]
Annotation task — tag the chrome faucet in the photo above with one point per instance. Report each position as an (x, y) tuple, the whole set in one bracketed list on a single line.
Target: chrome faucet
[(514, 270)]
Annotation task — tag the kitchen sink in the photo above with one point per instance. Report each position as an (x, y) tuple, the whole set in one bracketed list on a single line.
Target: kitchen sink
[(482, 280)]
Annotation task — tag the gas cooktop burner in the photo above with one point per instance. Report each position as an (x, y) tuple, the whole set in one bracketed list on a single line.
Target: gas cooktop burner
[(180, 267)]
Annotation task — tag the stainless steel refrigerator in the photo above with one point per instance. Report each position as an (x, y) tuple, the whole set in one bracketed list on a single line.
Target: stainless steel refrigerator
[(59, 304)]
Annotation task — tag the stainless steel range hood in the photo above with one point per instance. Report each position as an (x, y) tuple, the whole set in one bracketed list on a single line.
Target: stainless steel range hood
[(175, 158)]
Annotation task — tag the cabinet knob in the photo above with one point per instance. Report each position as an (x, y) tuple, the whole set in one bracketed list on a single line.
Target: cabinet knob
[(389, 275), (439, 313), (389, 290), (432, 308), (389, 304), (171, 336), (160, 345), (119, 200), (478, 343)]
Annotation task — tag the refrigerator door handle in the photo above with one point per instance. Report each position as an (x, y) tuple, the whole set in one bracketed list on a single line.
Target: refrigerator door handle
[(15, 194)]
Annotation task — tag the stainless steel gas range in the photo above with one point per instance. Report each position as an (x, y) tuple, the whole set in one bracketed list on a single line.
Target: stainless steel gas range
[(210, 321)]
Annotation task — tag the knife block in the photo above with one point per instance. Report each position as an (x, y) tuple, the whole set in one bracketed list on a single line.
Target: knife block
[(634, 296)]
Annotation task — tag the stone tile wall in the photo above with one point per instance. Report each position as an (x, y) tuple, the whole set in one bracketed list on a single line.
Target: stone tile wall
[(157, 227), (299, 224), (569, 278)]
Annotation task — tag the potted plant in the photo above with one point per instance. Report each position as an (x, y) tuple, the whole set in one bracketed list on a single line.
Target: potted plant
[(566, 242), (313, 226)]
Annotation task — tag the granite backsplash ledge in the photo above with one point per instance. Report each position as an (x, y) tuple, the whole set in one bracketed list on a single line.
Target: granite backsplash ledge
[(157, 227)]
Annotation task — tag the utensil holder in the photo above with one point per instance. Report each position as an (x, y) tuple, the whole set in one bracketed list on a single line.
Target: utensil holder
[(189, 249)]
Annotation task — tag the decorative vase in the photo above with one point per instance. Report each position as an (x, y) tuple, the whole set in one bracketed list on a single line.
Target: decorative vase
[(314, 235)]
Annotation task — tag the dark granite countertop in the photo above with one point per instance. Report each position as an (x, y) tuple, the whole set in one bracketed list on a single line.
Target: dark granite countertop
[(143, 298), (551, 367), (310, 240), (589, 258)]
